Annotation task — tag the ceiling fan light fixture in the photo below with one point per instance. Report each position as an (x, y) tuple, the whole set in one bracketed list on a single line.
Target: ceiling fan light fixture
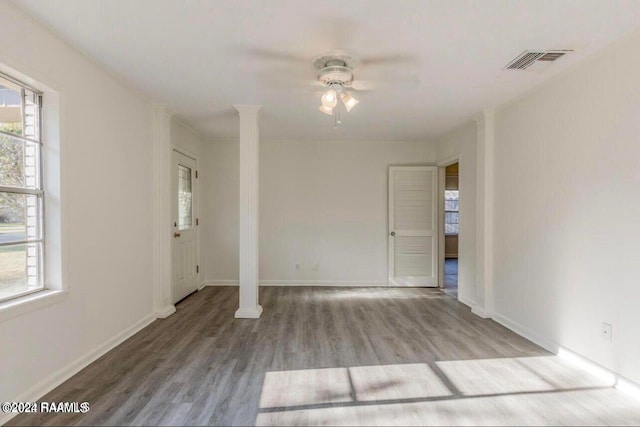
[(348, 100), (327, 110), (329, 99)]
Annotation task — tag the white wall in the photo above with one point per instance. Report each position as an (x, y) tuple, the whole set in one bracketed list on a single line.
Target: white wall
[(567, 210), (321, 203), (106, 167), (461, 143), (185, 138)]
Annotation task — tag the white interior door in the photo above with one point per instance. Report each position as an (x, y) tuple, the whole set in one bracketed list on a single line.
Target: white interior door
[(413, 229), (185, 259)]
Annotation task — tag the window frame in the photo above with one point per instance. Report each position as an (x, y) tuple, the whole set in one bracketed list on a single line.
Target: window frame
[(38, 191)]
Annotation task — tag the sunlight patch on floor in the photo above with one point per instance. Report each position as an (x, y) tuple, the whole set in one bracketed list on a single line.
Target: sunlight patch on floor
[(545, 390), (386, 293), (305, 387), (392, 382), (517, 375)]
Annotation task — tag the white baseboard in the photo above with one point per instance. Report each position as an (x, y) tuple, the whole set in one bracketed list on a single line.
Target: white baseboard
[(616, 380), (219, 282), (55, 379), (466, 302), (341, 283), (605, 374), (480, 312), (526, 332), (345, 283)]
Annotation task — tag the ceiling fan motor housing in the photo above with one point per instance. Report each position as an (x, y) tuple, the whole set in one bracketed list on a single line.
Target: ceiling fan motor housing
[(336, 74), (334, 70)]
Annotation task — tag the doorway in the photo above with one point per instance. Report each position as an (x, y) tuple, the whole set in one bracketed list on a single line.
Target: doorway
[(184, 250), (451, 228)]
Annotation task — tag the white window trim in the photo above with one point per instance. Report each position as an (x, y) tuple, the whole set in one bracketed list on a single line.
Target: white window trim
[(54, 245), (33, 301), (38, 191)]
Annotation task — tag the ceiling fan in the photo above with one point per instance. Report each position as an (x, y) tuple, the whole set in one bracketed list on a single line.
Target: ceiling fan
[(336, 73)]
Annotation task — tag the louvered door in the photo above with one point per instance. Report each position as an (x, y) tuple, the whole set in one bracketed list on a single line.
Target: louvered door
[(413, 226)]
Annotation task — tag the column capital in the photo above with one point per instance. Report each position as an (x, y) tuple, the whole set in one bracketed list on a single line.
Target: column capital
[(163, 108), (247, 109), (484, 115)]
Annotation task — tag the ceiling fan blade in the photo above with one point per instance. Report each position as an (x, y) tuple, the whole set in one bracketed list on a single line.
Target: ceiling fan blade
[(362, 85), (408, 82), (390, 59), (275, 55), (287, 78)]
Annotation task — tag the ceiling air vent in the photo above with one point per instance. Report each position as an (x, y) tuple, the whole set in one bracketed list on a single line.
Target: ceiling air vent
[(534, 59)]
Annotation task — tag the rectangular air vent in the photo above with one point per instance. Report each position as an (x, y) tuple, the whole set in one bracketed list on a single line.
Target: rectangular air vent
[(529, 58)]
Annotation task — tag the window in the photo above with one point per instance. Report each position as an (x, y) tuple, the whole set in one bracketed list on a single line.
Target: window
[(185, 198), (21, 194), (451, 211)]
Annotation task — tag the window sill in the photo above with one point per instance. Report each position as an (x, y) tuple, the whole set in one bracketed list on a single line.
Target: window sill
[(27, 303)]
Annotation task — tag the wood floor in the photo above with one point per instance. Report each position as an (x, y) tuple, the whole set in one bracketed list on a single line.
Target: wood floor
[(334, 356)]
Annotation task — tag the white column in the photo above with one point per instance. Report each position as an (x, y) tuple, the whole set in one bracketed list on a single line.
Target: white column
[(484, 215), (249, 162), (162, 223)]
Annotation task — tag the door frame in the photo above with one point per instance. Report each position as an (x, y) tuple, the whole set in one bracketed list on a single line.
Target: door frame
[(436, 231), (196, 209), (442, 165)]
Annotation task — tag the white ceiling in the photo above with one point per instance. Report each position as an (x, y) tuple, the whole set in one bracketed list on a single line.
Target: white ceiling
[(203, 56)]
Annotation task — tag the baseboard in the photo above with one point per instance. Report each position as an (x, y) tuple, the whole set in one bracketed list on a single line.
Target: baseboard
[(466, 302), (345, 283), (55, 379), (526, 332), (340, 283), (202, 286), (219, 282), (605, 374), (616, 380)]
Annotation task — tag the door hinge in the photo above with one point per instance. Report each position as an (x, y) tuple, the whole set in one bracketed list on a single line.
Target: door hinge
[(197, 269), (197, 221), (196, 174)]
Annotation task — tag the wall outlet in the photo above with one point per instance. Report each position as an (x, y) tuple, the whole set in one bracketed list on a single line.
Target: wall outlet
[(606, 331), (297, 266)]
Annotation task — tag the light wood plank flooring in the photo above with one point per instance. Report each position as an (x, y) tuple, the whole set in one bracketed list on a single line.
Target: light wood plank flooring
[(331, 356)]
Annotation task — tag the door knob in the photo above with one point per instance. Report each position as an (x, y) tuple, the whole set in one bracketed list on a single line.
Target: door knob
[(393, 233), (176, 235)]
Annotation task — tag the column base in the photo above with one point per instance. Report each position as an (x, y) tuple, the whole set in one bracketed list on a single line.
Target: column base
[(249, 313), (165, 312), (480, 312)]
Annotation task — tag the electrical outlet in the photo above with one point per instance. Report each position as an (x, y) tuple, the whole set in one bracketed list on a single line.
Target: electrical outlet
[(297, 266), (606, 331)]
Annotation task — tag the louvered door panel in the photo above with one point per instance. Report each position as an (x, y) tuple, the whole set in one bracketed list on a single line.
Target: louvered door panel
[(412, 204), (412, 226)]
